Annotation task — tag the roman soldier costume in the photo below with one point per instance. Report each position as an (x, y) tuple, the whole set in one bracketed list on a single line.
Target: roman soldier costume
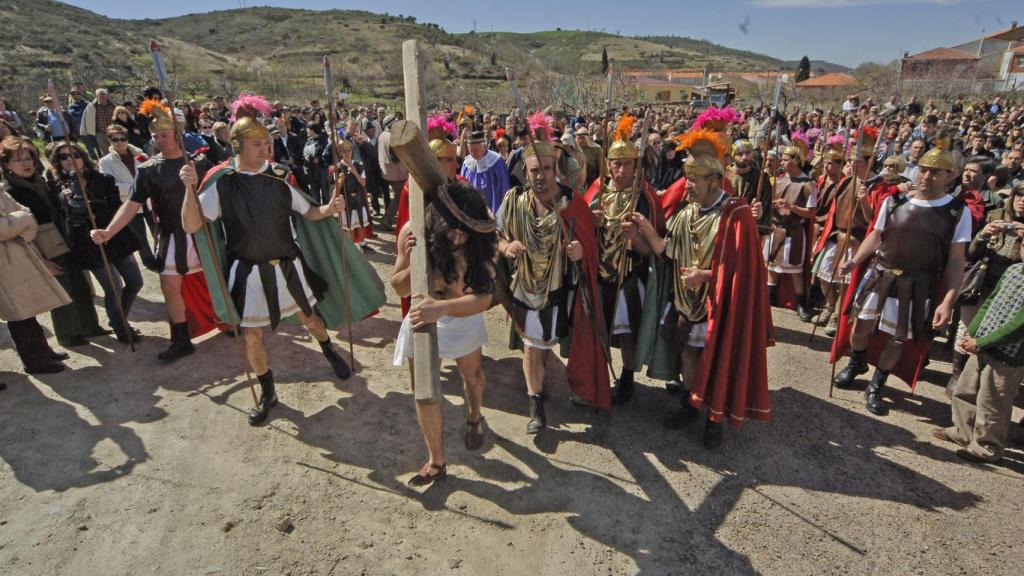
[(898, 289), (277, 263), (547, 297), (158, 184), (786, 248), (622, 301), (727, 317), (751, 184)]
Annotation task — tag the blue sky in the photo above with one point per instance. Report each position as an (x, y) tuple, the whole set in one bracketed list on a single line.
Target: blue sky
[(844, 31)]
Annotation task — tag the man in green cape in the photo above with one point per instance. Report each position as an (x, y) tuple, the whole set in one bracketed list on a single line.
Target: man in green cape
[(279, 255)]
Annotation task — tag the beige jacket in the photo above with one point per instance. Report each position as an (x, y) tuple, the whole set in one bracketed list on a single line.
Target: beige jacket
[(26, 287)]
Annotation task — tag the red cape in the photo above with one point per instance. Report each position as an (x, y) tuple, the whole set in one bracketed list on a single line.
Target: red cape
[(976, 205), (676, 192), (732, 376), (196, 292), (587, 368), (400, 220), (198, 307)]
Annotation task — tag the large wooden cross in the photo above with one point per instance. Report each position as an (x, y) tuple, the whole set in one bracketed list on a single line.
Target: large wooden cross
[(426, 174)]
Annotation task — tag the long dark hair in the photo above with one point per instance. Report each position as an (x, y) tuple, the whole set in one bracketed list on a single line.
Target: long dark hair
[(479, 248), (55, 168)]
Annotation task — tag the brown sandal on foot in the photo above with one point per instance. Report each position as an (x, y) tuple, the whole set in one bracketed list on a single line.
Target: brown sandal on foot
[(475, 434), (423, 479)]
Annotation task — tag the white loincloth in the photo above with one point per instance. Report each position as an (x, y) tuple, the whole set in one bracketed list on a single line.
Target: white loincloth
[(620, 325), (356, 219), (785, 267), (456, 337), (828, 262)]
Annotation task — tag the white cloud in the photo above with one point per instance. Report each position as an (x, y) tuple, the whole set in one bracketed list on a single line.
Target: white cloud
[(844, 3)]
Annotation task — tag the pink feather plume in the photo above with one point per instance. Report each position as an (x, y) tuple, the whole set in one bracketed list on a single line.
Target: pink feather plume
[(807, 143), (717, 119), (539, 120), (440, 122), (246, 102)]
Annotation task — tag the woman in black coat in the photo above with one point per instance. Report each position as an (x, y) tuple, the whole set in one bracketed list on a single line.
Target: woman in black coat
[(104, 200)]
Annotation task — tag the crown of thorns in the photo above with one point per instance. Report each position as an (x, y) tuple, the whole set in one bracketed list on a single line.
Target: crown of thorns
[(475, 224)]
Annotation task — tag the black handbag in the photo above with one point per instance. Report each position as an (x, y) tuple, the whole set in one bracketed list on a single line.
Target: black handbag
[(974, 279)]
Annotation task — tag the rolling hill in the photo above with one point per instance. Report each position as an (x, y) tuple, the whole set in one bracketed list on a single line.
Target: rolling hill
[(278, 51)]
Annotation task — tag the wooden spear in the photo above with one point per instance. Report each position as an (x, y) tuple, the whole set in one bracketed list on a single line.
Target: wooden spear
[(338, 180)]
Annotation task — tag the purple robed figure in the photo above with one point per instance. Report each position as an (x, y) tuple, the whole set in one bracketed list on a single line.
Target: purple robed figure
[(485, 169)]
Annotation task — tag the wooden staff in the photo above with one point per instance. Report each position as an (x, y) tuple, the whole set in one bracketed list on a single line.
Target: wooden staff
[(425, 175), (607, 137), (161, 72), (338, 179), (79, 179), (854, 203)]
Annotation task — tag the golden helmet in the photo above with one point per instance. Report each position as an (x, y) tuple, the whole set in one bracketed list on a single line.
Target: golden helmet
[(539, 149), (622, 150), (247, 129), (703, 165), (442, 148), (939, 157)]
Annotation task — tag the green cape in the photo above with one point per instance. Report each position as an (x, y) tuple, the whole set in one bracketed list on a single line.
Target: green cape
[(319, 242)]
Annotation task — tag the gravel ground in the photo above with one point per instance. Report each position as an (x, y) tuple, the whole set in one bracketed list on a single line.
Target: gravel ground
[(125, 466)]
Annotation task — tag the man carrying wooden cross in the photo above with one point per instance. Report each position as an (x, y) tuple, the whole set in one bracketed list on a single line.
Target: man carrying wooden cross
[(461, 247)]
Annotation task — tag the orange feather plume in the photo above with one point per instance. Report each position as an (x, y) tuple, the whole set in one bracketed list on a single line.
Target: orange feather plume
[(150, 106), (702, 141), (624, 128)]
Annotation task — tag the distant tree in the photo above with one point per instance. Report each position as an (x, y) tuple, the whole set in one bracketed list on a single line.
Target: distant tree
[(803, 70), (604, 60)]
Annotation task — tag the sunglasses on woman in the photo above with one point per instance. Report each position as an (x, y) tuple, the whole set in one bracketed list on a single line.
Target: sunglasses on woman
[(63, 157), (118, 139)]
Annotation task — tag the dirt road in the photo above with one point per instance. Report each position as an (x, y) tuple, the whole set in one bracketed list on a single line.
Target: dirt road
[(123, 466)]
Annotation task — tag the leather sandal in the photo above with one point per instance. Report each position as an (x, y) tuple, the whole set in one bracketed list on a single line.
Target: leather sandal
[(423, 479)]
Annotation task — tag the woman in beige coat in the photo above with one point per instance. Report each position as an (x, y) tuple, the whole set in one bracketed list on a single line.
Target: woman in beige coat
[(27, 288)]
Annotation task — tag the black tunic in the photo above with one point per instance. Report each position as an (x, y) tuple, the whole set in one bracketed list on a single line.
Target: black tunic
[(157, 180), (256, 213)]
